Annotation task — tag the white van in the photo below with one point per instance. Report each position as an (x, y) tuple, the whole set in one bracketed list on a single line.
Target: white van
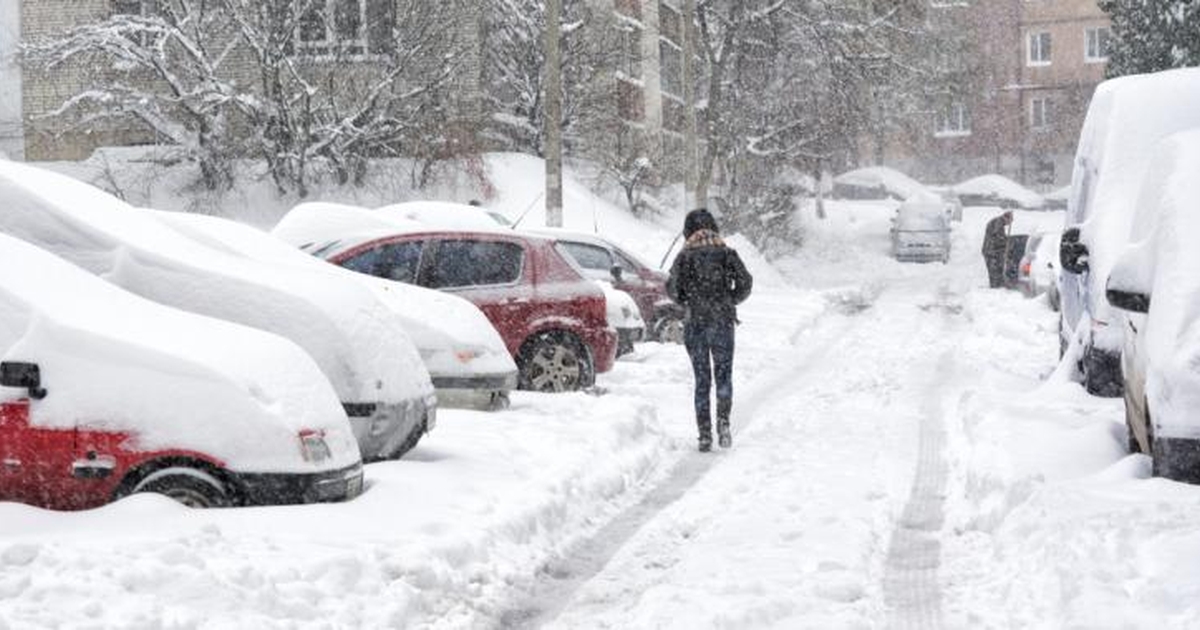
[(1156, 285), (357, 341), (1128, 116)]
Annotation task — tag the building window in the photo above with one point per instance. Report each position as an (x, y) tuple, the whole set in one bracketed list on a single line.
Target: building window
[(629, 50), (631, 104), (1039, 49), (141, 8), (953, 120), (671, 68), (1039, 113), (1096, 44), (329, 27)]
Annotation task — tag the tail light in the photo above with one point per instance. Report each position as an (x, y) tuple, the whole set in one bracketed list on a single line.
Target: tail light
[(1026, 268), (313, 446)]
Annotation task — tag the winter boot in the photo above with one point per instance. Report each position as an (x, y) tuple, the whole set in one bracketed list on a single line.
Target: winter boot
[(723, 436), (704, 424)]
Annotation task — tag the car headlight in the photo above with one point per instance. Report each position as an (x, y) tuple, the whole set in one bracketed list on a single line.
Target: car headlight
[(313, 446)]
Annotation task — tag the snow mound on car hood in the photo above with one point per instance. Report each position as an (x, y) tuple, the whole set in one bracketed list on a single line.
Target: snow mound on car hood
[(112, 360), (351, 336)]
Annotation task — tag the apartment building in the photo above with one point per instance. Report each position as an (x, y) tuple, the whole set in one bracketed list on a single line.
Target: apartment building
[(649, 78), (1024, 72)]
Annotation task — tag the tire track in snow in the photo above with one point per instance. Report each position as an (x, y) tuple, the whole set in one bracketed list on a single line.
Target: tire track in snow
[(911, 587), (560, 579)]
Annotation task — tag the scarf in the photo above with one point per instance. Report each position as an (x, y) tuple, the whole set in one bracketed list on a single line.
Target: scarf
[(704, 238)]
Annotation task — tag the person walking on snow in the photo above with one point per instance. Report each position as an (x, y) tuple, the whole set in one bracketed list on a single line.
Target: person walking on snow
[(709, 280), (995, 248)]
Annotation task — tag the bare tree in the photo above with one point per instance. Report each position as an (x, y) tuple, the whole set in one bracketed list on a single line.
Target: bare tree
[(304, 85)]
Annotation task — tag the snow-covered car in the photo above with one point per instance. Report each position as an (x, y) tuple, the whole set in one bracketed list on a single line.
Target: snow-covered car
[(601, 259), (921, 231), (104, 394), (997, 190), (357, 341), (1057, 199), (623, 316), (1155, 285), (1038, 268), (877, 182), (1127, 117), (553, 321), (465, 356)]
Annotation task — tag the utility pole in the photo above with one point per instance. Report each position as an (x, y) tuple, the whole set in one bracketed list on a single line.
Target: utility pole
[(692, 198), (553, 120)]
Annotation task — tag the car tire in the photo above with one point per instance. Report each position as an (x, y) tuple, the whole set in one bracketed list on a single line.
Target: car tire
[(669, 330), (554, 363), (190, 486), (1102, 373)]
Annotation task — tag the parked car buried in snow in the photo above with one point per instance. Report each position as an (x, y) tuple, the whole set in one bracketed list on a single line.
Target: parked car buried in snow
[(1155, 285), (877, 182), (465, 356), (104, 394), (356, 340), (603, 260), (1126, 119), (921, 232), (553, 321), (997, 190), (1037, 272)]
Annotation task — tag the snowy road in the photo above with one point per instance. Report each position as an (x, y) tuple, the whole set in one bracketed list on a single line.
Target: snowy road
[(903, 458), (800, 524)]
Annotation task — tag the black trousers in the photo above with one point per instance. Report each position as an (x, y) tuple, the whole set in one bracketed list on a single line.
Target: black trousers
[(995, 269), (710, 346)]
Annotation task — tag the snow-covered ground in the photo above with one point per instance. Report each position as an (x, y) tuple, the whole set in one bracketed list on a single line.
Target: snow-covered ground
[(904, 455)]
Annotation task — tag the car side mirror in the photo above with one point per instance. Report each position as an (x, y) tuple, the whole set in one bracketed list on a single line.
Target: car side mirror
[(1072, 254), (1129, 300), (26, 375), (617, 272)]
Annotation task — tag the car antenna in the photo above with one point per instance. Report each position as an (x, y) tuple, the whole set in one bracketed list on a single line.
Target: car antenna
[(669, 249), (527, 209)]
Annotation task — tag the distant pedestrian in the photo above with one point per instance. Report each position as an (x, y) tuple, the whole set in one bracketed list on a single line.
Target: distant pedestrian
[(709, 280), (995, 248)]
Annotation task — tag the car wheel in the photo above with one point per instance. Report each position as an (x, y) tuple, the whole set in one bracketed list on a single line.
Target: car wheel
[(555, 363), (190, 486), (669, 330), (1102, 373)]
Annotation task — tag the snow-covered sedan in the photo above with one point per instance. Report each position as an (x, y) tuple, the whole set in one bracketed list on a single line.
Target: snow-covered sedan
[(357, 341), (921, 231), (997, 190), (464, 354), (104, 394)]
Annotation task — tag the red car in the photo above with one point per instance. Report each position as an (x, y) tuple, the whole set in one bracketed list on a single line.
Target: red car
[(552, 320), (602, 259)]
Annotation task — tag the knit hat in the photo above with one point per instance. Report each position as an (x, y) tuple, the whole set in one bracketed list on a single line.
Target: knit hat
[(698, 219)]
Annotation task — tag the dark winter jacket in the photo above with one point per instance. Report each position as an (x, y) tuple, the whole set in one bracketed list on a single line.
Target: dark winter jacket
[(708, 278), (995, 237)]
